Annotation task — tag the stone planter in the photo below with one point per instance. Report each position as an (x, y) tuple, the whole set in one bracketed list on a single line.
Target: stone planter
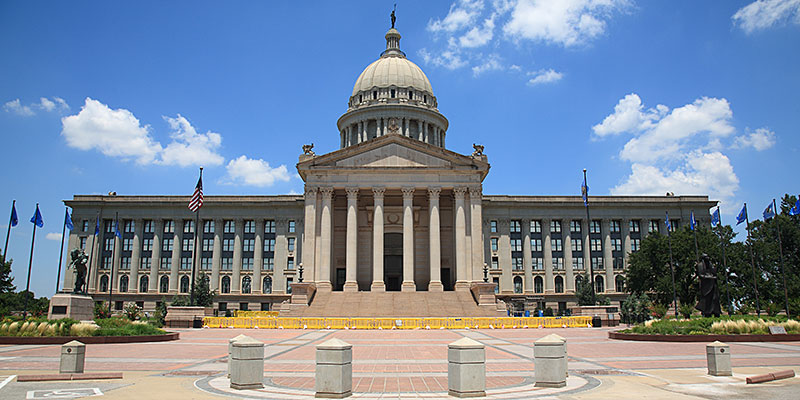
[(184, 316)]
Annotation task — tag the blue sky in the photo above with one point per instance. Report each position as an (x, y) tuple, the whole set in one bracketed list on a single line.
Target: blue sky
[(682, 96)]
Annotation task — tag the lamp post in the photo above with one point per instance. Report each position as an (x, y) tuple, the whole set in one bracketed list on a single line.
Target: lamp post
[(300, 274), (485, 273)]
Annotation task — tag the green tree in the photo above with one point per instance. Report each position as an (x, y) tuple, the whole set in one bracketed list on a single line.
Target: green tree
[(6, 280), (202, 293)]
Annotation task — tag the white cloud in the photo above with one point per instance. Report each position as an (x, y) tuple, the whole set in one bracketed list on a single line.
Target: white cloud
[(564, 22), (115, 133), (189, 147), (673, 151), (492, 63), (760, 140), (462, 13), (763, 14), (51, 105), (447, 59), (544, 76), (16, 107), (254, 172), (478, 36), (53, 236), (46, 104)]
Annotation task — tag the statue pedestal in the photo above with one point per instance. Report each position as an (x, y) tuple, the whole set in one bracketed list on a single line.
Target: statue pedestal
[(303, 292), (483, 293), (71, 305)]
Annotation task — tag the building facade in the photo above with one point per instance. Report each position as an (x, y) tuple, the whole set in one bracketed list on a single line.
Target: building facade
[(391, 210)]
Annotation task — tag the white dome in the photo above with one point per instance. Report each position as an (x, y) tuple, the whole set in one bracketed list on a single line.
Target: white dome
[(392, 71)]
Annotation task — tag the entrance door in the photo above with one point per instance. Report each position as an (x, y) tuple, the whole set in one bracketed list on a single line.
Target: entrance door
[(340, 278), (393, 261), (447, 283)]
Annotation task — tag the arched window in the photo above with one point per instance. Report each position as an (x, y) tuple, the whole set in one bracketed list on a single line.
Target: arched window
[(538, 285), (184, 284), (144, 283), (163, 284), (599, 284), (104, 283), (517, 284), (266, 285), (559, 284), (578, 282), (246, 285), (123, 283), (225, 287), (393, 93), (619, 283)]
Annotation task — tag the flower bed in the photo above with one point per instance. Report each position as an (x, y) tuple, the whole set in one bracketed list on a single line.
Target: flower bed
[(731, 329), (72, 328)]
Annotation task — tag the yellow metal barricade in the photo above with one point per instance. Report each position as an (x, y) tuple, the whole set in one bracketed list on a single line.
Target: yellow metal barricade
[(272, 322)]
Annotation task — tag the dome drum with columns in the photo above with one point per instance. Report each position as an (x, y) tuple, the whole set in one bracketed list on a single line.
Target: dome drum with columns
[(392, 95)]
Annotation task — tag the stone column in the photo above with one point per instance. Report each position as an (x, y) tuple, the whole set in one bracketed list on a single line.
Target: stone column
[(527, 260), (587, 250), (608, 257), (625, 226), (236, 277), (476, 231), (136, 255), (382, 128), (566, 245), (115, 264), (408, 240), (177, 242), (216, 254), (547, 253), (310, 235), (281, 255), (461, 238), (377, 241), (351, 248), (419, 130), (258, 257), (158, 232), (326, 226), (435, 252)]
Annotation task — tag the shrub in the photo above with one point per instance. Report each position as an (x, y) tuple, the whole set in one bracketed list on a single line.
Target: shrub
[(83, 329), (636, 308), (686, 310), (132, 311), (659, 311), (773, 309), (124, 327), (101, 310)]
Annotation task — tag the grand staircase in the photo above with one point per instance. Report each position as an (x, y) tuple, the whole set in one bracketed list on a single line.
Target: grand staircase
[(393, 305)]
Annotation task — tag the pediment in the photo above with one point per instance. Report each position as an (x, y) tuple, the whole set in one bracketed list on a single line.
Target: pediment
[(392, 155)]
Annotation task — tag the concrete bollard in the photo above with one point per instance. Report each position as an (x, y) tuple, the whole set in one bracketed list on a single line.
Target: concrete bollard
[(466, 368), (718, 355), (73, 357), (247, 364), (550, 361), (334, 376), (230, 351)]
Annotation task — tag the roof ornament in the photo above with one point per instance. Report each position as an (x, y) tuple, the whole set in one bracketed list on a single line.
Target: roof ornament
[(308, 149), (393, 17), (478, 150)]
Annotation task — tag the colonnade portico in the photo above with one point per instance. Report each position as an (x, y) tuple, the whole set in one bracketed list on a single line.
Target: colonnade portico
[(418, 221)]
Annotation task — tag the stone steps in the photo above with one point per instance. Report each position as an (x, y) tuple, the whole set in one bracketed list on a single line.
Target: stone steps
[(393, 305)]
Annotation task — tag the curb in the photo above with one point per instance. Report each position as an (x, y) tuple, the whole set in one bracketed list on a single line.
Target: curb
[(88, 339), (703, 338)]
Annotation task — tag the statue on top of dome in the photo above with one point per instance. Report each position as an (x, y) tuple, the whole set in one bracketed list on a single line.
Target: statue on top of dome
[(393, 17)]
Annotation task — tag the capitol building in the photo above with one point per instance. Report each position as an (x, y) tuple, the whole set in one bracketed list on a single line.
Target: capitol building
[(391, 210)]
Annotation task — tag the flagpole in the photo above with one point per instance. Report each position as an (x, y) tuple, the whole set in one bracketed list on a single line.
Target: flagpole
[(8, 232), (752, 259), (91, 254), (30, 264), (780, 251), (61, 253), (672, 268), (724, 263), (196, 252), (113, 253), (694, 231), (589, 225)]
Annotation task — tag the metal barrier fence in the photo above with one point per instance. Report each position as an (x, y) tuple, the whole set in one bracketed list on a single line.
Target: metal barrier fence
[(272, 322), (240, 313)]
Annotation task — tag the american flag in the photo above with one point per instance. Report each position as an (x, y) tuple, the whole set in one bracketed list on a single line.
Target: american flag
[(197, 197)]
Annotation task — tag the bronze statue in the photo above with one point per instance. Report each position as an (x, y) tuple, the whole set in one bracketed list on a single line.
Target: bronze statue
[(478, 150), (79, 261), (393, 17), (308, 149), (709, 294)]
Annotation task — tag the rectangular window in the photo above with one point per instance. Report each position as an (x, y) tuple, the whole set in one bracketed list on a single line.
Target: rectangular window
[(290, 263), (653, 226), (495, 263), (146, 263), (594, 227), (537, 263), (208, 227), (515, 226), (555, 226), (107, 262), (577, 263), (227, 244), (188, 244), (247, 263), (615, 226), (289, 285), (229, 227), (596, 245), (618, 264), (208, 244), (494, 244), (166, 263), (597, 263), (634, 226), (269, 226), (291, 226), (205, 264), (517, 264), (290, 244), (536, 227), (169, 226), (555, 245), (85, 225), (125, 263), (108, 244), (493, 226), (148, 226), (127, 244), (83, 243), (248, 244), (186, 263), (269, 263), (516, 244), (147, 244), (128, 226), (576, 244), (674, 224), (635, 244), (166, 245), (575, 226), (558, 263), (188, 226), (250, 226), (109, 226), (616, 244), (536, 245), (269, 244), (226, 264)]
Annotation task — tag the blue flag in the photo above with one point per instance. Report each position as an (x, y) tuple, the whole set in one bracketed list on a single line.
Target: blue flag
[(116, 229), (742, 215), (68, 220), (692, 222), (97, 227), (715, 218), (769, 212), (37, 218), (585, 193), (669, 225), (796, 209), (14, 218)]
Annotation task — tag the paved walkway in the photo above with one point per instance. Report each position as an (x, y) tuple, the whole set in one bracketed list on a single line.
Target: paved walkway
[(405, 364)]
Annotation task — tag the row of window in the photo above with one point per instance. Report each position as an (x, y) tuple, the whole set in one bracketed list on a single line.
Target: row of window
[(575, 244), (226, 263), (538, 284), (515, 226), (183, 287), (229, 226), (537, 263)]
